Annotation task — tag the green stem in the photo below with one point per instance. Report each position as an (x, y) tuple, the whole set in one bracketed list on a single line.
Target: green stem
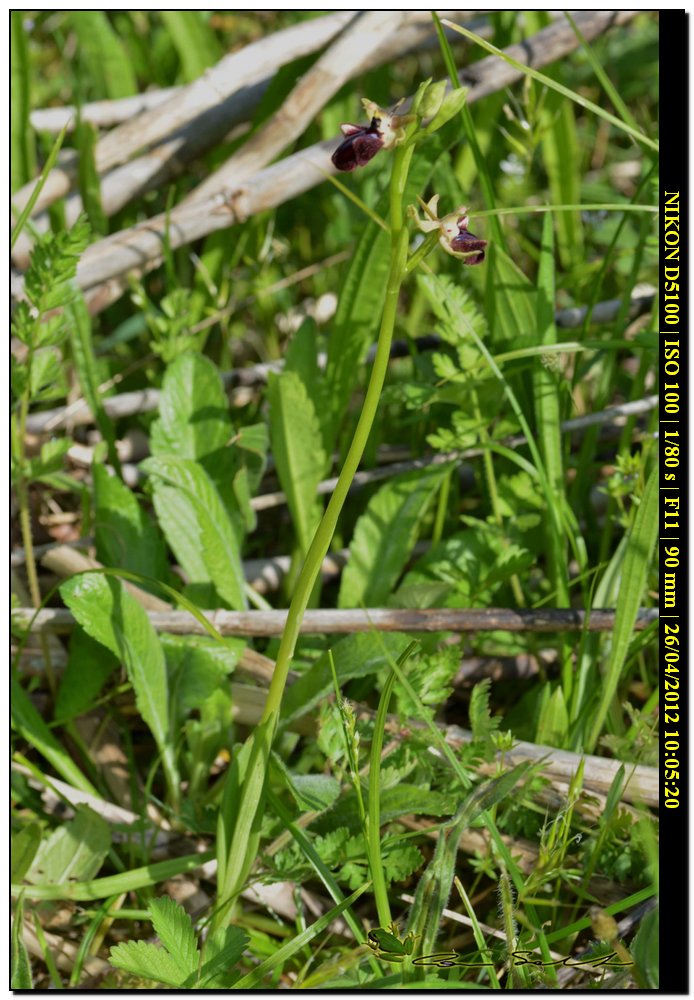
[(236, 863)]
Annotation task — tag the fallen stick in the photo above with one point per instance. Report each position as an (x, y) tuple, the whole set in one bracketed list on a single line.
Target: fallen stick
[(346, 621)]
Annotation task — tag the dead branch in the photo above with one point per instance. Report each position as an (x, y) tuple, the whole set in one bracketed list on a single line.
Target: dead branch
[(346, 621), (141, 246)]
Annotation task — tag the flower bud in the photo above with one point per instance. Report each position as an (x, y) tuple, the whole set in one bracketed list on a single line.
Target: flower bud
[(449, 106), (432, 98)]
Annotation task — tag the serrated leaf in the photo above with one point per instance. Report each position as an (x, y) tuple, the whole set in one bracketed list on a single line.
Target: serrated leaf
[(146, 960), (197, 526), (125, 535), (482, 723), (295, 435), (113, 617), (193, 410), (74, 852), (175, 930), (384, 537)]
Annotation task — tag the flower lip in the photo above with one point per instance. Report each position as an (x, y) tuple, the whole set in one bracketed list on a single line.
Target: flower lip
[(360, 144), (455, 238)]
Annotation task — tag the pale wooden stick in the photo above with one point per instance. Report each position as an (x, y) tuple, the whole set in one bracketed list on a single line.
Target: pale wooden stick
[(141, 245), (101, 114), (234, 71), (346, 621), (339, 63)]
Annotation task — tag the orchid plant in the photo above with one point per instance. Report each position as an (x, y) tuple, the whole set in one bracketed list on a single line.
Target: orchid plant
[(431, 108)]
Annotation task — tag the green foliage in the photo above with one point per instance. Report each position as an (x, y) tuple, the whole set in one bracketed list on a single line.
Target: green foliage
[(179, 963), (357, 777)]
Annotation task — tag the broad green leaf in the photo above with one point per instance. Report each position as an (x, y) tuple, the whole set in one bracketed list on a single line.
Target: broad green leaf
[(384, 537), (295, 436), (112, 616), (106, 59), (175, 930), (249, 461), (146, 960), (125, 535), (315, 792), (20, 967), (197, 526), (88, 668), (637, 561), (23, 847), (74, 851), (193, 410), (27, 721), (197, 666), (356, 655)]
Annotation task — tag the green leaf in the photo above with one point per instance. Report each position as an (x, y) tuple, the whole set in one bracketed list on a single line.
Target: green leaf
[(250, 458), (125, 535), (83, 356), (482, 723), (361, 299), (24, 846), (637, 561), (384, 537), (548, 414), (222, 951), (74, 851), (197, 526), (27, 721), (193, 410), (434, 886), (106, 59), (175, 930), (296, 441), (355, 656), (315, 792), (553, 721), (88, 668), (20, 967), (509, 301), (86, 137), (146, 960), (645, 949), (197, 666), (48, 281), (22, 144), (194, 41), (112, 616)]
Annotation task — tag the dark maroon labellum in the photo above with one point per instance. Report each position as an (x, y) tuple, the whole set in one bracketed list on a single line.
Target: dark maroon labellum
[(361, 143), (466, 242)]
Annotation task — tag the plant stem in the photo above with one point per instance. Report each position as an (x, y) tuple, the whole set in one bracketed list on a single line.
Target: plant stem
[(236, 862), (326, 528)]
